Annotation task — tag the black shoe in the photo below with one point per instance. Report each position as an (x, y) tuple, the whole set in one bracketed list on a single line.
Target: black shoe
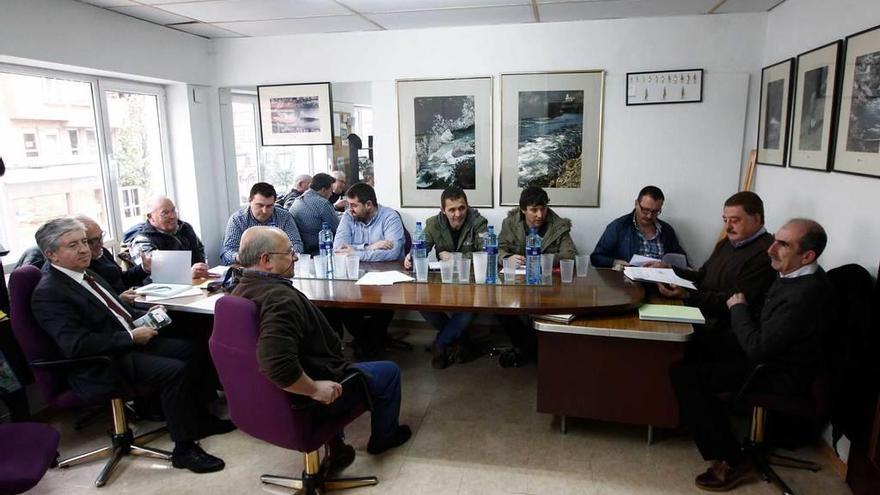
[(397, 439), (196, 460), (216, 426), (338, 456), (510, 358)]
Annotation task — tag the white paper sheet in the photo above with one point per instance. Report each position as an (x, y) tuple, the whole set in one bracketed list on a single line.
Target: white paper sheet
[(383, 278), (206, 303), (660, 275), (189, 292), (219, 270)]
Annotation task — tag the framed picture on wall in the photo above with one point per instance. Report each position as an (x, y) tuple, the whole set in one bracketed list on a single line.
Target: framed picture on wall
[(445, 139), (774, 112), (551, 135), (857, 150), (814, 110), (295, 114)]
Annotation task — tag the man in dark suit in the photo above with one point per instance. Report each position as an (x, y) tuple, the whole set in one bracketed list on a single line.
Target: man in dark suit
[(81, 312)]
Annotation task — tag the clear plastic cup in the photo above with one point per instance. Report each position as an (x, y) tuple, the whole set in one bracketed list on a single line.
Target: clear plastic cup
[(353, 266), (340, 269), (446, 270), (547, 267), (481, 264), (509, 270), (464, 271), (320, 266), (566, 271), (421, 266), (303, 266), (583, 263), (456, 260)]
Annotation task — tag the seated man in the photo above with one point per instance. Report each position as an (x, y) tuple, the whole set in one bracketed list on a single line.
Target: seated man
[(79, 310), (261, 210), (788, 337), (533, 211), (299, 351), (739, 263), (311, 209), (638, 232), (337, 198), (457, 228), (300, 186), (374, 233), (102, 262), (165, 232)]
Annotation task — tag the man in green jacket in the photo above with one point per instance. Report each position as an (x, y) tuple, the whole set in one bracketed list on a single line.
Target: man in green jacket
[(457, 228), (533, 211)]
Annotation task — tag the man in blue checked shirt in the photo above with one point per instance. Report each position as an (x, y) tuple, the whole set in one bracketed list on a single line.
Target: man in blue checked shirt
[(261, 210), (312, 209), (373, 232)]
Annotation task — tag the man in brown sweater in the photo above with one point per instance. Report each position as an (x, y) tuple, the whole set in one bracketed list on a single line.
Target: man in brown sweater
[(299, 351)]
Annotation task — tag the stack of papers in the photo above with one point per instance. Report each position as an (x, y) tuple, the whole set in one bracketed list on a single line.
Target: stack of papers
[(162, 290), (192, 291), (666, 312), (658, 275), (673, 259), (557, 318), (383, 278), (219, 270), (206, 303)]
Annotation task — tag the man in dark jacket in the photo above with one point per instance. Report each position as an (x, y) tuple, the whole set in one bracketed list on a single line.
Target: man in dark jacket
[(533, 211), (638, 232), (165, 232), (300, 352), (787, 337)]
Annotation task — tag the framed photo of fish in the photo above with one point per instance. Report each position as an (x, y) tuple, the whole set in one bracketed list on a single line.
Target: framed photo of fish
[(445, 139), (814, 96), (551, 135), (857, 148), (296, 114), (774, 113)]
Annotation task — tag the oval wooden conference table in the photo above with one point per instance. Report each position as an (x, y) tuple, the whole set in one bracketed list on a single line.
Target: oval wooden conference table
[(602, 292)]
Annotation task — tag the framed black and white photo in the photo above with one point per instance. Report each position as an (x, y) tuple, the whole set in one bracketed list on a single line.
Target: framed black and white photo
[(857, 149), (774, 112), (551, 135), (664, 86), (296, 114), (445, 139), (814, 97)]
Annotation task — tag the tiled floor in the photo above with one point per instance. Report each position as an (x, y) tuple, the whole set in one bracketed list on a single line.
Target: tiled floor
[(475, 432)]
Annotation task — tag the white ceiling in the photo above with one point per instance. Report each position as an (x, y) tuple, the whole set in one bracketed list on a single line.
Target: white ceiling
[(247, 18)]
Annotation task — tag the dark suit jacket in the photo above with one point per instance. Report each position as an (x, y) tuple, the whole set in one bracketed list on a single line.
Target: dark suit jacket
[(82, 325)]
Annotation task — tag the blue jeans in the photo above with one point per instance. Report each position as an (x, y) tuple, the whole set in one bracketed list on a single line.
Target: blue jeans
[(383, 380), (449, 327)]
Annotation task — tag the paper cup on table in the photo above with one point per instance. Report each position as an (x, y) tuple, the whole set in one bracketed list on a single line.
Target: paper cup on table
[(340, 269), (566, 271), (446, 267), (320, 266), (421, 266), (480, 267), (353, 266), (583, 263), (464, 271)]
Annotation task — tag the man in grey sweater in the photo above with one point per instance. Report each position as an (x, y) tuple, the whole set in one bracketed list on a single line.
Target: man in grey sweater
[(788, 337)]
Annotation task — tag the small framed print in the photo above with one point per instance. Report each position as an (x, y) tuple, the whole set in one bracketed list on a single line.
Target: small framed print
[(857, 148), (814, 96), (774, 112), (295, 114), (665, 86)]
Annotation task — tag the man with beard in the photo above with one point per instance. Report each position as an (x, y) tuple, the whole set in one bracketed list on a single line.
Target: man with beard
[(261, 210)]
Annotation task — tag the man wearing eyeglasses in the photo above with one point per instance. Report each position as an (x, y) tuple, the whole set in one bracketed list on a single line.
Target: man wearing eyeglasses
[(165, 232), (638, 232)]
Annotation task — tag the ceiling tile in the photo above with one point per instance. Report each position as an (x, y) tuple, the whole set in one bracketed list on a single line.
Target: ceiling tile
[(151, 14), (255, 10), (109, 3), (205, 30), (384, 6), (331, 24), (612, 9), (455, 17), (737, 6)]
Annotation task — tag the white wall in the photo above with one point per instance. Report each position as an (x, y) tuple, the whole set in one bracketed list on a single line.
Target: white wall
[(842, 203), (693, 152)]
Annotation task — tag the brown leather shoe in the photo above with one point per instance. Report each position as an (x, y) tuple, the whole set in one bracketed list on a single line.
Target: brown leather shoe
[(439, 358), (721, 476)]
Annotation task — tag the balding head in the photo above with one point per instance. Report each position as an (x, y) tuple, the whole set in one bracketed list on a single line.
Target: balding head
[(301, 182), (796, 244), (267, 249), (94, 235), (162, 214)]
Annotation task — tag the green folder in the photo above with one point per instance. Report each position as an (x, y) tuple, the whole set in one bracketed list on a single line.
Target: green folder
[(666, 312)]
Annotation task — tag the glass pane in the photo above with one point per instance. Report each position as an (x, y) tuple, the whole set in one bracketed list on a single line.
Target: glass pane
[(47, 175), (245, 133), (137, 150), (281, 164)]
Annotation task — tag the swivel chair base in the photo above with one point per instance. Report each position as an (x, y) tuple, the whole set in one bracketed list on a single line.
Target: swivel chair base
[(312, 481), (122, 443), (765, 459)]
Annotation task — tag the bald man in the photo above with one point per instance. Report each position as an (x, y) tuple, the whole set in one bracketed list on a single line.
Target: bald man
[(337, 192), (164, 231)]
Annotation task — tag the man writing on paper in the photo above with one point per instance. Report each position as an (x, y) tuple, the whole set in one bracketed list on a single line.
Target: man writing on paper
[(788, 337), (299, 351), (638, 232), (166, 232)]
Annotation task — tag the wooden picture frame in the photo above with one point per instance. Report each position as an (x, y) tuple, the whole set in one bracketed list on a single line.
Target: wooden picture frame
[(295, 114), (815, 112), (774, 113)]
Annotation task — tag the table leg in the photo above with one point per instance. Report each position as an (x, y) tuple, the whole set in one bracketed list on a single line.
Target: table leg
[(563, 427), (650, 434)]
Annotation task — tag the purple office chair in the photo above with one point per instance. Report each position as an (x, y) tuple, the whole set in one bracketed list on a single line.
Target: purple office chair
[(49, 368), (261, 409), (27, 451)]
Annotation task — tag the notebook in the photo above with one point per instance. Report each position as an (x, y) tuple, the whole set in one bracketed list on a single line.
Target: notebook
[(668, 312), (171, 267)]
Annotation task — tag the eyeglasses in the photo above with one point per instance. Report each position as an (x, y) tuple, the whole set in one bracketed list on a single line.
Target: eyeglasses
[(168, 213), (94, 241), (649, 211), (291, 252)]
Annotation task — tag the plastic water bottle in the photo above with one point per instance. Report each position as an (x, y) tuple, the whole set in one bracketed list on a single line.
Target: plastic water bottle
[(325, 244), (420, 254), (533, 258), (491, 249)]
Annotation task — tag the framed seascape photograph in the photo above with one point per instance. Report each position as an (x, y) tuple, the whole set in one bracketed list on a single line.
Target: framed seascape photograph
[(551, 135), (857, 148), (814, 96), (295, 114), (774, 112), (445, 139)]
